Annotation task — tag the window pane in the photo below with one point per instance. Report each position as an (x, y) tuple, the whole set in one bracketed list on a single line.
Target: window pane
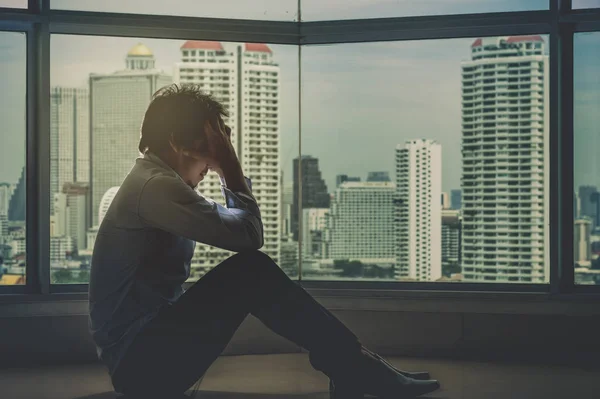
[(315, 10), (100, 89), (13, 3), (12, 156), (434, 156), (272, 10), (587, 158), (586, 3)]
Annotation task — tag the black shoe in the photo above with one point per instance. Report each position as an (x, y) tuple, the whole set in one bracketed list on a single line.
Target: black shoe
[(370, 374), (415, 375)]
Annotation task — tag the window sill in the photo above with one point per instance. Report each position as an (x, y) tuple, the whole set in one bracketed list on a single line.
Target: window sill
[(363, 300)]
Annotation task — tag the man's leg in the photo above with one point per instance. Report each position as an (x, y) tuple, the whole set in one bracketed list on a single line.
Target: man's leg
[(179, 345)]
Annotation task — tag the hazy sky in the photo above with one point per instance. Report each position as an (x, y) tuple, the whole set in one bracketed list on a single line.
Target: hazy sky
[(358, 100)]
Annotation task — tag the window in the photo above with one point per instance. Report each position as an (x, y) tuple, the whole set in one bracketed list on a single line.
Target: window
[(12, 156), (96, 115), (586, 4), (587, 158), (273, 10), (383, 110), (328, 10), (13, 3)]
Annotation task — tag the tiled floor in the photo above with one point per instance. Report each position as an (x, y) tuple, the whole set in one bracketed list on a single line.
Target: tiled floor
[(290, 376)]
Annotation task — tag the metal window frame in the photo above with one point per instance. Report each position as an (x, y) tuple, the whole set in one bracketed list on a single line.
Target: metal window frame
[(39, 22)]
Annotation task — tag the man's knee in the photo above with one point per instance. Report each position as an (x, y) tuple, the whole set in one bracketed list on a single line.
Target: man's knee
[(254, 260)]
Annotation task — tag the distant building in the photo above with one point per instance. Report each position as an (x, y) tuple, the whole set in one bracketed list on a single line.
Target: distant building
[(17, 204), (118, 103), (418, 220), (505, 227), (378, 177), (314, 189), (287, 201), (60, 249), (360, 225), (69, 137), (588, 203), (5, 194), (105, 202), (451, 233), (339, 179), (245, 77), (456, 199), (313, 228), (582, 238)]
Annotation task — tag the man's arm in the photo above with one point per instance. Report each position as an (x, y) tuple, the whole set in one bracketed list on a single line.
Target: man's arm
[(167, 203)]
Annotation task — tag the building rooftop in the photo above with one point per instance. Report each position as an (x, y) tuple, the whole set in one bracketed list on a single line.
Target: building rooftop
[(513, 39), (140, 50), (258, 47), (202, 44)]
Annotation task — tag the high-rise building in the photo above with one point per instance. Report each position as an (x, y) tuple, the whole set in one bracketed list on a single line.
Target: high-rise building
[(245, 78), (339, 179), (5, 194), (378, 176), (60, 249), (456, 199), (314, 189), (105, 202), (77, 223), (418, 221), (360, 224), (451, 232), (69, 137), (17, 204), (313, 227), (287, 201), (118, 103), (582, 239), (587, 205), (505, 160)]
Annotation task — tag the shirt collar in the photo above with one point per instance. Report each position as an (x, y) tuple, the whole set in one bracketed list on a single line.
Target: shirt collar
[(155, 159)]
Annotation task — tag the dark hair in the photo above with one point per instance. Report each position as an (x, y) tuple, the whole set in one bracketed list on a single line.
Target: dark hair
[(178, 113)]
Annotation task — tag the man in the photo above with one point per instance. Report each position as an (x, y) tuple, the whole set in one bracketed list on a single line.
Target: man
[(156, 339)]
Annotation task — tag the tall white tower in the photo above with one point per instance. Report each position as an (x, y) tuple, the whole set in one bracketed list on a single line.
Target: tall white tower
[(419, 221), (505, 161), (245, 79), (69, 137), (118, 103)]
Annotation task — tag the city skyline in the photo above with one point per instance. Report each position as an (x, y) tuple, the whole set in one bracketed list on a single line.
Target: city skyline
[(71, 71)]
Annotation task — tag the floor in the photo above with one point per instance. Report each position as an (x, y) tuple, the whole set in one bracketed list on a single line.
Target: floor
[(291, 376)]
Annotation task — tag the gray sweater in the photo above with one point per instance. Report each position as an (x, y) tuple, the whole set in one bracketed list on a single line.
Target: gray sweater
[(145, 245)]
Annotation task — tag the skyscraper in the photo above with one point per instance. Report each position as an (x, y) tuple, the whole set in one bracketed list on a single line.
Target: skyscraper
[(5, 194), (505, 160), (118, 104), (587, 202), (314, 189), (360, 225), (451, 233), (69, 137), (419, 222), (456, 199), (245, 78), (77, 222), (17, 204)]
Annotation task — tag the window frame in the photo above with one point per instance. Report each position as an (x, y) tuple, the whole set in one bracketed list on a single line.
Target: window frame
[(559, 21)]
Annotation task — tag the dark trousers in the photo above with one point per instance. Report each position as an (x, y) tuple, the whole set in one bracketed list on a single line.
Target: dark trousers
[(179, 345)]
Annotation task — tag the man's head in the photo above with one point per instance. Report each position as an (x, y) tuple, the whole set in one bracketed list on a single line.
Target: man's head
[(175, 123)]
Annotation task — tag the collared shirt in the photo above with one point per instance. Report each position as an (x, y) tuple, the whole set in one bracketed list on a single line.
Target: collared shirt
[(144, 248)]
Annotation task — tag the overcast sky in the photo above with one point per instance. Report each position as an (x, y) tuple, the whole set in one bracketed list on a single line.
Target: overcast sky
[(359, 100)]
